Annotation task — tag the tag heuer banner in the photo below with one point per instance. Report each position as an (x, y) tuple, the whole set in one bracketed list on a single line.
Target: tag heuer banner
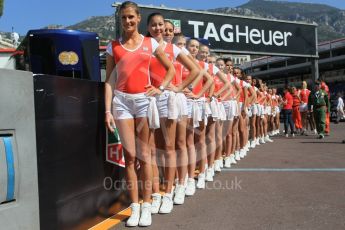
[(114, 153), (239, 34)]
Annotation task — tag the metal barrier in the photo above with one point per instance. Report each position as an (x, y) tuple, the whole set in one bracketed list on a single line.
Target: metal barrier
[(18, 161)]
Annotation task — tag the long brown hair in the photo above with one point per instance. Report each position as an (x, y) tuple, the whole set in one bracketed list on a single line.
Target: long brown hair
[(127, 4)]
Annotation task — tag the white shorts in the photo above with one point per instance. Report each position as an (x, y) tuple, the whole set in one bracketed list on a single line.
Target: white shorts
[(162, 103), (277, 109), (127, 106), (201, 108), (231, 109), (181, 103), (240, 105), (249, 112), (254, 109), (204, 108), (303, 107), (263, 110), (221, 112), (207, 110), (269, 110)]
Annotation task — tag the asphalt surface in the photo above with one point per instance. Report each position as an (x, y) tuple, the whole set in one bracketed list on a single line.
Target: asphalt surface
[(293, 183)]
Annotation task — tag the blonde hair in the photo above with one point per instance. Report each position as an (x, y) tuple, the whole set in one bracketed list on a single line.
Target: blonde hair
[(304, 84)]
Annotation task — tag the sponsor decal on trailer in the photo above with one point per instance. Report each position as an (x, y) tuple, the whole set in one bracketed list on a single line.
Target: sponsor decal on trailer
[(114, 150)]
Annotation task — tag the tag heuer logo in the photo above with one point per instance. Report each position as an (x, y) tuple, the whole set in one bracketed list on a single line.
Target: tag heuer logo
[(177, 25)]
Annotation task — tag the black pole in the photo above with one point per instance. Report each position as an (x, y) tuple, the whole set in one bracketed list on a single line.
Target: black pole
[(315, 69)]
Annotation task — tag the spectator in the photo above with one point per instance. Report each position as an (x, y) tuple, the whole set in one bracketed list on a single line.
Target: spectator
[(340, 108), (287, 111), (320, 102)]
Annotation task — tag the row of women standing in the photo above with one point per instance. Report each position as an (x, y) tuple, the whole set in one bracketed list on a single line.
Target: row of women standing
[(175, 112)]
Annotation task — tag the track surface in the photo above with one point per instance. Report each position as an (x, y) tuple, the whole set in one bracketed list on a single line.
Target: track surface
[(293, 183)]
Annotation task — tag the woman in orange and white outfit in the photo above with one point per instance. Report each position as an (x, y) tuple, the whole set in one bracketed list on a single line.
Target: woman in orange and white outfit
[(168, 111), (132, 108), (214, 129), (196, 120)]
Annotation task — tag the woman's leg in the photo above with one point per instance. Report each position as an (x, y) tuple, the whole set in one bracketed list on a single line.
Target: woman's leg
[(168, 131), (126, 128), (144, 156), (200, 146), (252, 122), (181, 150), (191, 149), (228, 131), (286, 121), (155, 171), (210, 143), (190, 187), (219, 135)]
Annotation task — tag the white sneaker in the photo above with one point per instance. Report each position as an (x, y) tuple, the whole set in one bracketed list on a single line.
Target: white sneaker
[(242, 153), (262, 140), (315, 131), (253, 144), (156, 202), (209, 175), (179, 194), (268, 139), (212, 168), (201, 181), (246, 149), (227, 163), (221, 161), (247, 145), (257, 141), (190, 188), (145, 216), (237, 155), (185, 180), (217, 166), (133, 220), (232, 159), (167, 204)]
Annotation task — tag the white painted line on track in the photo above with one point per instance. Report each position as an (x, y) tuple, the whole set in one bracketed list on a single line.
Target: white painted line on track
[(284, 170)]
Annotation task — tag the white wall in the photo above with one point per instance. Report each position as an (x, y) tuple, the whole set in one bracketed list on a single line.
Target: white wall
[(6, 62)]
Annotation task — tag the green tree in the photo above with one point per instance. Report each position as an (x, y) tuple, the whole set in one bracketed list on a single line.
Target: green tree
[(1, 7)]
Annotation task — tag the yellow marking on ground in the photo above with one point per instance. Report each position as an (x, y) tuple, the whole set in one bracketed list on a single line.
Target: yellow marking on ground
[(112, 221)]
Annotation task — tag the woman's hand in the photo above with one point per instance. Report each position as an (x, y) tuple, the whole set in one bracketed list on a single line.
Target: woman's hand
[(186, 90), (152, 91), (173, 88), (109, 121), (191, 95)]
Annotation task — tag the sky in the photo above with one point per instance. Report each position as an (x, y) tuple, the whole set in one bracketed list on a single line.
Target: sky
[(24, 15)]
